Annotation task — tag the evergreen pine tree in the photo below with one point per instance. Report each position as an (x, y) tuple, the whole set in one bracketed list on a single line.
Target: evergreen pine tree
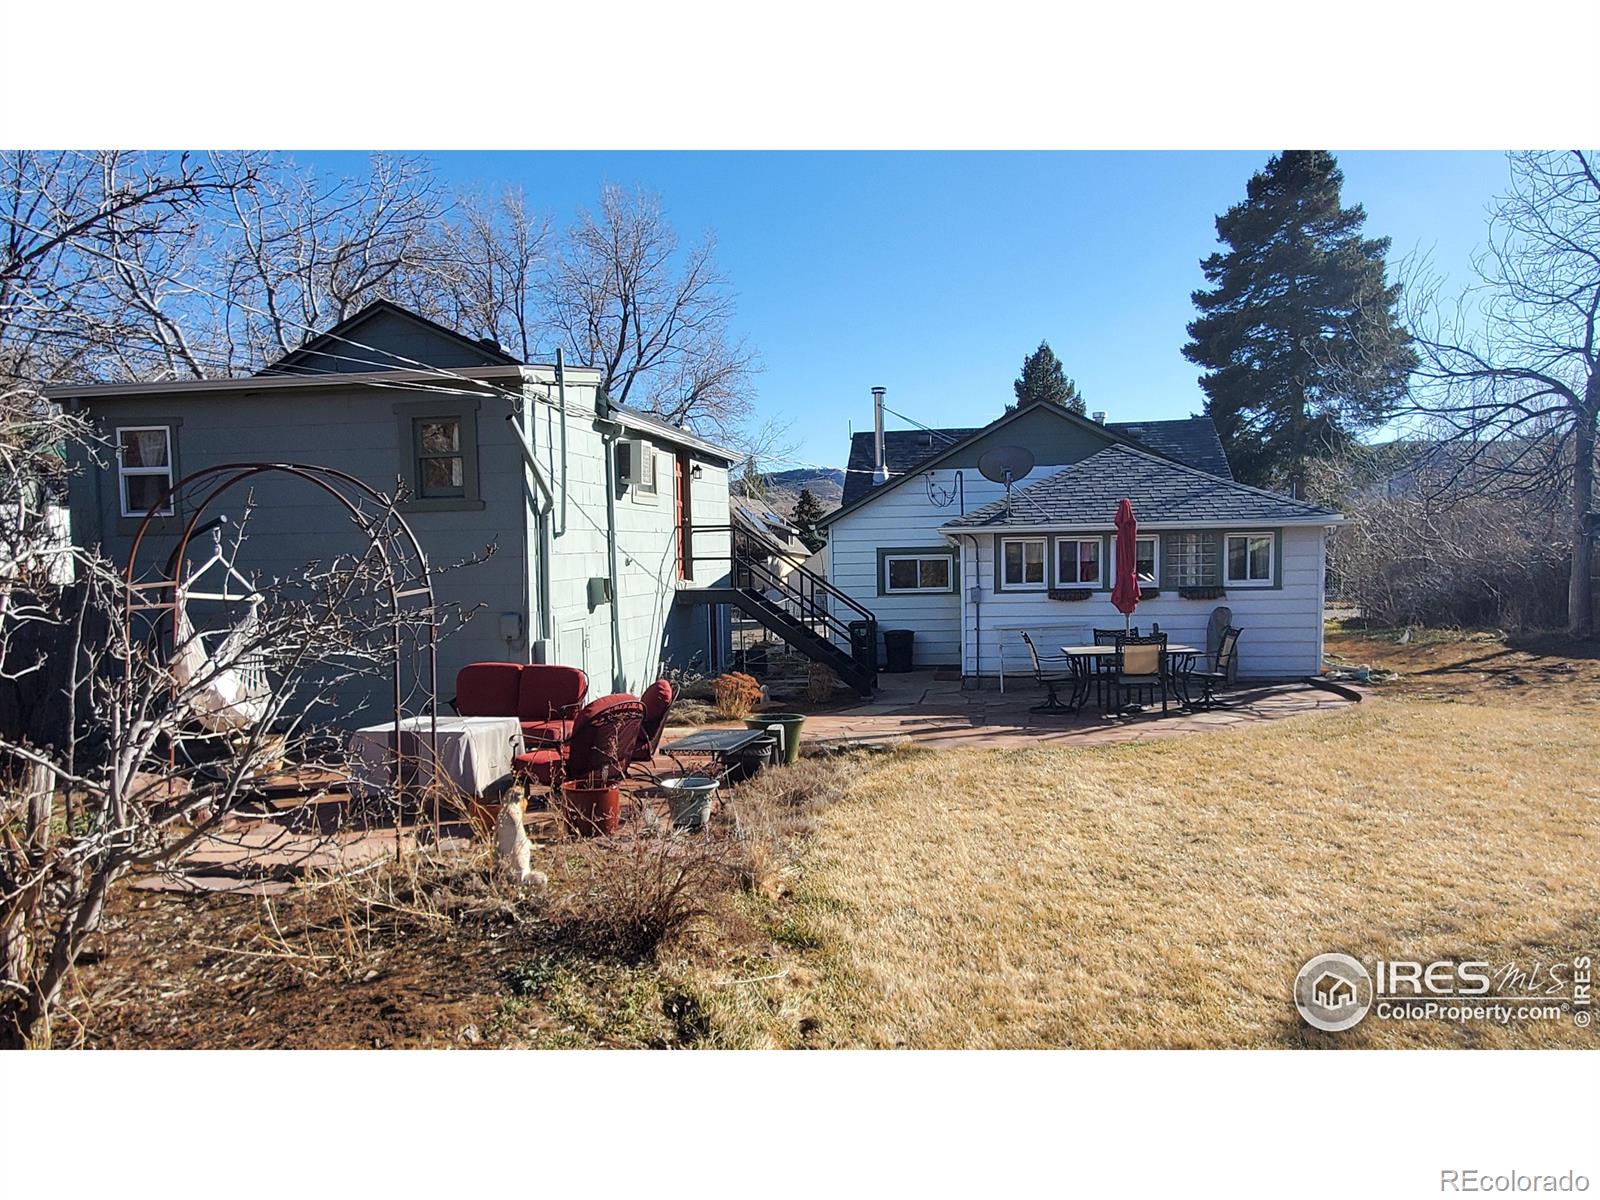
[(1044, 381), (807, 512), (1298, 332)]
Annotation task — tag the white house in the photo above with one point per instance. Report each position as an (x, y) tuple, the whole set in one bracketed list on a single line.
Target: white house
[(930, 544)]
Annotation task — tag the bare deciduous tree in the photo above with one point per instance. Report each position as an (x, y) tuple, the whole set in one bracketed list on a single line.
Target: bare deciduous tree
[(653, 318), (296, 252), (1427, 546), (86, 238), (1510, 370), (483, 269)]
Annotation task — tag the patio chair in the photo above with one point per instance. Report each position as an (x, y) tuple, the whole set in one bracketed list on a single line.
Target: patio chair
[(1110, 637), (605, 734), (657, 700), (1053, 671), (1102, 668), (1140, 667), (1216, 675), (548, 699)]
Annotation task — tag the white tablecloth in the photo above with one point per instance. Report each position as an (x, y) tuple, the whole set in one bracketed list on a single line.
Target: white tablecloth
[(474, 753)]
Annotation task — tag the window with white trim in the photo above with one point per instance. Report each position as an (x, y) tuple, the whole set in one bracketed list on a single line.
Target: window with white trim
[(903, 573), (1146, 559), (1078, 562), (1022, 563), (144, 468), (1247, 560)]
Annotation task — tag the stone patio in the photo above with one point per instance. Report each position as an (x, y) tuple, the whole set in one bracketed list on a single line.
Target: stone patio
[(934, 712), (306, 828)]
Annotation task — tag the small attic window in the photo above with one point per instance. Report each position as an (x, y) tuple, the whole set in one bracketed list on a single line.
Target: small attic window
[(439, 454)]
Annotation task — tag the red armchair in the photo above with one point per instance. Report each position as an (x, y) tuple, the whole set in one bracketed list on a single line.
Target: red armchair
[(657, 701), (605, 736)]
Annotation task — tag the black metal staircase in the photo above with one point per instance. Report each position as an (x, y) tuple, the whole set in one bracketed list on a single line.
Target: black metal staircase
[(800, 607)]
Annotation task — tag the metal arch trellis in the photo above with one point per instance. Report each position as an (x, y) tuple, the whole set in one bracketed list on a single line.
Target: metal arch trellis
[(385, 530)]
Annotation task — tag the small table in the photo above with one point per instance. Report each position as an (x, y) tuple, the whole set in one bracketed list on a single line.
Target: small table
[(722, 746), (473, 753)]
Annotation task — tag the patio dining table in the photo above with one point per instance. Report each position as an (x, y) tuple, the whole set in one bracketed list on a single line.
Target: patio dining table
[(1085, 656), (1101, 651)]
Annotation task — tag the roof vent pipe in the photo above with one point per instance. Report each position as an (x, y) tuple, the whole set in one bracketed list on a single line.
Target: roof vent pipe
[(880, 472), (1099, 418)]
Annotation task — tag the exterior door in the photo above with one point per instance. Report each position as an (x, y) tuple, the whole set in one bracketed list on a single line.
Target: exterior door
[(683, 516)]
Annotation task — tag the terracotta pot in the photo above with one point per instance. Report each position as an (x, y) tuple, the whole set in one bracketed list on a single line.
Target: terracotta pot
[(591, 811), (482, 815)]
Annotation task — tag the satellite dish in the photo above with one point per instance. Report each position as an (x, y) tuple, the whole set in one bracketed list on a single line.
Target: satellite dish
[(1006, 464)]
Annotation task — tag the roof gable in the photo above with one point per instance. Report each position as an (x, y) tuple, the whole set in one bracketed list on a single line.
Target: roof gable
[(1162, 492), (382, 336), (1054, 433)]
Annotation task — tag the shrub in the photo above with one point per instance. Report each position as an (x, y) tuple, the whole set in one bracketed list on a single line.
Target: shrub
[(736, 694), (1416, 553), (821, 683), (623, 897)]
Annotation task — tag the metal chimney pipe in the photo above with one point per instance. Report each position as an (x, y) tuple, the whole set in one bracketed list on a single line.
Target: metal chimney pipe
[(880, 471)]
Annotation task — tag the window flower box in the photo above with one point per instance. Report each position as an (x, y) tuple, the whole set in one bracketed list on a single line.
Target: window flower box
[(1202, 593), (1149, 593), (1070, 593)]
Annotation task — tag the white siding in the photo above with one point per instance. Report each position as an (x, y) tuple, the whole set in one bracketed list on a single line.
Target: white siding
[(908, 517), (1282, 626)]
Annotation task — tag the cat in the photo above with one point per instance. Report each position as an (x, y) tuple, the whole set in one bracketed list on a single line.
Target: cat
[(513, 852)]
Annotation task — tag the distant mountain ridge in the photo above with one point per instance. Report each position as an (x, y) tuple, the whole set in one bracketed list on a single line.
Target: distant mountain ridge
[(783, 488)]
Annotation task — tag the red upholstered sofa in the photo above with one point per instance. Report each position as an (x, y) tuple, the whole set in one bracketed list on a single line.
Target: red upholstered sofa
[(544, 697), (548, 698)]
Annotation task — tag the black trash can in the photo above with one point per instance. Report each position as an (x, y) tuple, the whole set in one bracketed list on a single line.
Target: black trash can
[(897, 650), (864, 643)]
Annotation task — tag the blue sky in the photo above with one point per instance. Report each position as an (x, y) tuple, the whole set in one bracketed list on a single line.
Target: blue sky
[(933, 274)]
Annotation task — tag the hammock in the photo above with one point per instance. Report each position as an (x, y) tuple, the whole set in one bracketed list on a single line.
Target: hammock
[(225, 688)]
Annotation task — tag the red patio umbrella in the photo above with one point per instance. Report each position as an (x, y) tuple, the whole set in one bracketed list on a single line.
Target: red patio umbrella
[(1125, 589)]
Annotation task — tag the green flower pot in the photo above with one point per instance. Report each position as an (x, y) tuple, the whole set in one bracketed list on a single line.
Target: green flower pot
[(791, 723)]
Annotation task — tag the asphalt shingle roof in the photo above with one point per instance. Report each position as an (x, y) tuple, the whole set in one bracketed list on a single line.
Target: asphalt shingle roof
[(1087, 493), (1191, 440)]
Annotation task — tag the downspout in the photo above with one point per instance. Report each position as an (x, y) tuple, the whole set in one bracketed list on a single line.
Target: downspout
[(561, 402), (609, 432), (974, 589), (541, 516)]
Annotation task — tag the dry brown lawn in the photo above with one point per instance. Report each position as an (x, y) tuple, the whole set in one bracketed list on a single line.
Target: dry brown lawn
[(1154, 894), (1165, 894)]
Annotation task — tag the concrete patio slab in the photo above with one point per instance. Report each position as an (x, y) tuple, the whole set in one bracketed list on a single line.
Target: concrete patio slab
[(931, 712)]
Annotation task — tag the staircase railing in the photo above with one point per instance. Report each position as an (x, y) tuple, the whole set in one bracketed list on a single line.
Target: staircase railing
[(806, 597)]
